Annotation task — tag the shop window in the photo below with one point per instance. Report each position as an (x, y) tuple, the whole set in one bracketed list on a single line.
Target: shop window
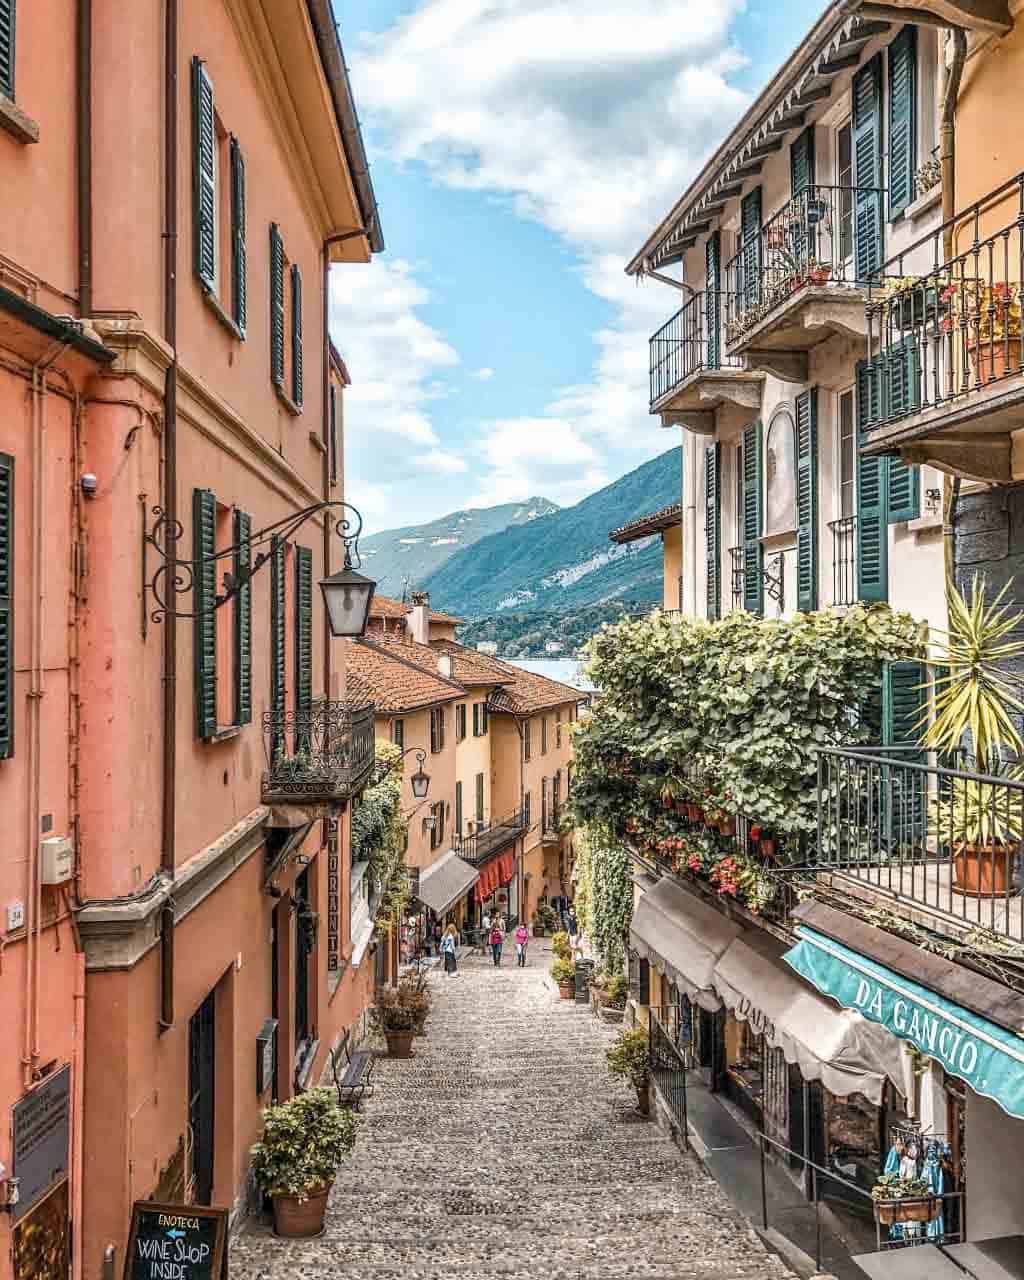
[(744, 1066)]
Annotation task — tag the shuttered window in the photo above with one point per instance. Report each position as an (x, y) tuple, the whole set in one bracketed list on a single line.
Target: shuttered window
[(398, 734), (303, 633), (713, 520), (476, 719), (807, 500), (902, 120), (243, 620), (750, 236), (204, 177), (904, 703), (801, 162), (7, 47), (479, 797), (238, 262), (458, 808), (753, 553), (276, 306), (6, 606), (713, 262), (277, 628), (867, 168), (297, 336), (204, 595), (527, 747), (334, 434), (872, 520)]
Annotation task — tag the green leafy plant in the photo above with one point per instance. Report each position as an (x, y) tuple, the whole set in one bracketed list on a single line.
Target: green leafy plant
[(563, 971), (614, 989), (403, 1007), (890, 1186), (379, 831), (304, 1141), (975, 813), (560, 944), (629, 1058)]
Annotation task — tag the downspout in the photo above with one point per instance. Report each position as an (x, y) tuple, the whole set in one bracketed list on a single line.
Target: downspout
[(84, 156), (947, 161), (170, 487), (77, 1109)]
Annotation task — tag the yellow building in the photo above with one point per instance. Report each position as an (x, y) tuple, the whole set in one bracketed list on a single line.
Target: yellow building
[(668, 522)]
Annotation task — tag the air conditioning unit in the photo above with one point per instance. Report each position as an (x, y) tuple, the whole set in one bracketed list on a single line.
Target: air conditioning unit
[(56, 859)]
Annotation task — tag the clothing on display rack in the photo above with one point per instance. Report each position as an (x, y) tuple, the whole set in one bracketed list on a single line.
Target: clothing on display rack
[(914, 1154)]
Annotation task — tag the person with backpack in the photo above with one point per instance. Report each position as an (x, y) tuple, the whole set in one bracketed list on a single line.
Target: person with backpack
[(522, 937), (497, 938)]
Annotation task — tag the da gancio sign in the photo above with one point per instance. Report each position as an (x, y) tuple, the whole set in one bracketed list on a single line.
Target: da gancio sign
[(953, 1047)]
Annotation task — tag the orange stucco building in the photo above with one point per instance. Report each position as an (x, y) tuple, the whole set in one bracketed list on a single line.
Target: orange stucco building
[(163, 348)]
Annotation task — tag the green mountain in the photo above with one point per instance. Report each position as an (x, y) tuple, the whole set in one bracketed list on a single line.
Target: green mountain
[(564, 560), (547, 633), (415, 552)]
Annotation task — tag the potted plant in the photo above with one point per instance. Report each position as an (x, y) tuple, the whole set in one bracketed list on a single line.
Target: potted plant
[(397, 1019), (981, 824), (629, 1058), (900, 1199), (564, 973), (414, 995), (612, 991), (304, 1141), (560, 945), (989, 316)]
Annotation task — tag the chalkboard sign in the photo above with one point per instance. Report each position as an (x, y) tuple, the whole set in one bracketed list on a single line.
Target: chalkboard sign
[(584, 970), (176, 1242)]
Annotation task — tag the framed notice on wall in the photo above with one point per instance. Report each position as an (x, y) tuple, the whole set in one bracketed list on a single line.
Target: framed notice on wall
[(176, 1242)]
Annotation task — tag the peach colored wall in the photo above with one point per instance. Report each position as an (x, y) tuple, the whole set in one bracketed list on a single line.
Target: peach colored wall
[(473, 757), (441, 769), (986, 157), (672, 560)]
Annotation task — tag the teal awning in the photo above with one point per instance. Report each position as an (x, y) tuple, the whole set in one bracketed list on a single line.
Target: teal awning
[(988, 1058)]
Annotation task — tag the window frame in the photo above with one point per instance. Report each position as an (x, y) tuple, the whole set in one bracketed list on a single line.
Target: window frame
[(842, 483), (398, 732)]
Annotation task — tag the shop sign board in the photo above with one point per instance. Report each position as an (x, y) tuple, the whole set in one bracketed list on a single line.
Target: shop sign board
[(176, 1242), (41, 1139)]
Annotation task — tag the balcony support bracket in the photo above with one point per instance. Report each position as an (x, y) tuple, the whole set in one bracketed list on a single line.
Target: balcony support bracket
[(700, 422), (975, 457), (979, 15), (745, 392), (788, 366), (847, 316)]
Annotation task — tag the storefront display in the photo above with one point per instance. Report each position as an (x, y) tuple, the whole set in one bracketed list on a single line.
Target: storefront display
[(743, 1078)]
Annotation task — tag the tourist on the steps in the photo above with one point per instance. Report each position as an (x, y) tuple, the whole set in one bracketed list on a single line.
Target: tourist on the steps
[(497, 938), (572, 928), (522, 937), (485, 921), (448, 945)]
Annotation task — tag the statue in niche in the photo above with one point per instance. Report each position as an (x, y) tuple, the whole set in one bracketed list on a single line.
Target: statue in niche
[(780, 475)]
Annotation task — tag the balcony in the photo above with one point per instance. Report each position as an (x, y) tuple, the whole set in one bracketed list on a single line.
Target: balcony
[(318, 758), (945, 377), (489, 839), (688, 371), (737, 576), (844, 560), (795, 283)]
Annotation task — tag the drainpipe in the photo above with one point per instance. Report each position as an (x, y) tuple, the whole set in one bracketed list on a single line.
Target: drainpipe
[(84, 155), (78, 1125), (947, 160)]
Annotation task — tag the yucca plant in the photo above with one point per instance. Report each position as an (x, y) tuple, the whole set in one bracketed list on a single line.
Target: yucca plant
[(974, 694), (978, 814)]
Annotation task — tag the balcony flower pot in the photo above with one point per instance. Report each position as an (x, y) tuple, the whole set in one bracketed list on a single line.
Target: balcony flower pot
[(399, 1043), (567, 990), (996, 358), (892, 1211), (983, 871), (299, 1219)]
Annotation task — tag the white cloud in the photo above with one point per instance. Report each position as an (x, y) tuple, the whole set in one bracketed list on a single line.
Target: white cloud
[(483, 375), (442, 462)]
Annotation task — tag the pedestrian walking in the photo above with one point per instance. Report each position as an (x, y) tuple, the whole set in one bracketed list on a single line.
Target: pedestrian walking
[(497, 938), (485, 921), (522, 936), (572, 928), (449, 944)]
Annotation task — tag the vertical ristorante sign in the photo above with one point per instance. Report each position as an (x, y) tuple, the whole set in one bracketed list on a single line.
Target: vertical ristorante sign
[(176, 1242), (333, 901)]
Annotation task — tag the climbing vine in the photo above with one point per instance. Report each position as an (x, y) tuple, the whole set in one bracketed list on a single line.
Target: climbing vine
[(611, 897), (583, 899), (379, 834)]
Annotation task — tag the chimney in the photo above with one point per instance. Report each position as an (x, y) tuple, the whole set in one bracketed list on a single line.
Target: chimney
[(419, 619), (444, 665)]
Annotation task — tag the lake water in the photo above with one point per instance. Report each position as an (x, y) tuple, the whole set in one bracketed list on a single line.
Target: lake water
[(566, 670)]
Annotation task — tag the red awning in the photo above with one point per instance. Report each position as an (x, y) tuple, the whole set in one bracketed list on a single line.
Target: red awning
[(498, 871)]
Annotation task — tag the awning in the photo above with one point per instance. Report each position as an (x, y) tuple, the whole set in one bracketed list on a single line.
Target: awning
[(445, 881), (497, 871), (683, 938), (985, 1056), (844, 1051)]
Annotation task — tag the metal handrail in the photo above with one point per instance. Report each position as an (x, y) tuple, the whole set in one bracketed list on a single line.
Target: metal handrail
[(844, 560), (490, 839), (688, 342)]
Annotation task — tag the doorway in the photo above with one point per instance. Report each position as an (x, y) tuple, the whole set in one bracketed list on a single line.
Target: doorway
[(201, 1079), (303, 948)]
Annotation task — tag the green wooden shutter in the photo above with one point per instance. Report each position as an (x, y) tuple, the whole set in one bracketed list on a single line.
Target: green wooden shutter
[(6, 606), (7, 47), (243, 620), (867, 168), (750, 235), (713, 509), (276, 306), (902, 120), (277, 628), (904, 702), (479, 797), (872, 522), (204, 595), (204, 177), (801, 162), (476, 719), (297, 336), (901, 388), (713, 287), (238, 280), (807, 500), (458, 808), (303, 632), (753, 552)]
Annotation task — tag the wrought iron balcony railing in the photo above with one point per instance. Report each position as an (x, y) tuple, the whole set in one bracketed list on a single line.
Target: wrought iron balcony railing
[(489, 839), (844, 560), (822, 236), (689, 342), (736, 557), (942, 326), (322, 756)]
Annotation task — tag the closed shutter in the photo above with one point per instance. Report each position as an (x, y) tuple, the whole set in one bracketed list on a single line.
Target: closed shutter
[(750, 235), (867, 168), (204, 595), (297, 336), (479, 797), (238, 281), (712, 477), (276, 307), (7, 47), (243, 620), (872, 522), (6, 606), (304, 637), (204, 177), (485, 717), (904, 703), (902, 120), (713, 262), (807, 500), (801, 162), (435, 737), (398, 733), (458, 808), (902, 394), (903, 491), (753, 553), (476, 719), (277, 630)]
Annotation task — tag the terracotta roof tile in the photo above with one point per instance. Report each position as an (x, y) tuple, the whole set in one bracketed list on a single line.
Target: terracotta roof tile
[(656, 522), (385, 607), (523, 692), (393, 683)]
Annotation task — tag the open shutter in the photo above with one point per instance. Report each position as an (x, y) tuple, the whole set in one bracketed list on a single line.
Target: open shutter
[(238, 281), (867, 168), (204, 595), (6, 606), (750, 235), (243, 620), (801, 162), (303, 640), (297, 336), (713, 510), (7, 47), (276, 306), (807, 500), (204, 177), (904, 702), (753, 553), (902, 120), (901, 388), (872, 522), (277, 629), (713, 286)]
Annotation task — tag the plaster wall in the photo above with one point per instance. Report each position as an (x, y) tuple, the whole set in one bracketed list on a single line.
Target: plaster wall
[(672, 556), (995, 1203), (473, 758), (440, 766)]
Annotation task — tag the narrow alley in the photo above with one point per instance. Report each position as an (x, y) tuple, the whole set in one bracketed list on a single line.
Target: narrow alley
[(504, 1149)]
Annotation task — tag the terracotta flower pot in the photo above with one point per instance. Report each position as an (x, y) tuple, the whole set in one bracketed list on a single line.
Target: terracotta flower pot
[(399, 1043), (567, 990), (727, 826), (767, 846), (996, 358), (643, 1099), (890, 1211), (982, 871), (297, 1218)]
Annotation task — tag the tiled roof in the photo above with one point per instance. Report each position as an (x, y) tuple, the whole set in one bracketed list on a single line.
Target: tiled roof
[(646, 525), (391, 681), (523, 692), (437, 616), (385, 607), (467, 667)]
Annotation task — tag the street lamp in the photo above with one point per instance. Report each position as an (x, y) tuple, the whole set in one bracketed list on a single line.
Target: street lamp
[(347, 599), (420, 781)]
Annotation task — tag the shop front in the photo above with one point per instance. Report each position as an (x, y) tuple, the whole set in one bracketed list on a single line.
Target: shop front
[(441, 899), (495, 893)]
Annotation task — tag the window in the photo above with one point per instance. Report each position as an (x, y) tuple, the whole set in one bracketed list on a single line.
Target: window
[(780, 468), (304, 640), (6, 606), (334, 432), (844, 180), (526, 810), (437, 834), (558, 730), (556, 797), (460, 721), (527, 746), (398, 733), (278, 627), (847, 455), (480, 797), (458, 808), (285, 308), (544, 816), (437, 730), (480, 719), (543, 735), (738, 477)]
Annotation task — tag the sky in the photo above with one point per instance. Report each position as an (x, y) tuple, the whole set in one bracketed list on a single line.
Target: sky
[(521, 151)]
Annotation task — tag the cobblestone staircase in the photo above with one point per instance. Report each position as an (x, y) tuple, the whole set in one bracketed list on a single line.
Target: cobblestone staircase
[(503, 1151)]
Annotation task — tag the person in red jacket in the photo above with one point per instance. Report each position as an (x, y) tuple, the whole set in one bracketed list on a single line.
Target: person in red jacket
[(497, 938), (522, 937)]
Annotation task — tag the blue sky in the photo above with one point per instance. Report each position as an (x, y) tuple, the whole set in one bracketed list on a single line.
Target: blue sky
[(521, 150)]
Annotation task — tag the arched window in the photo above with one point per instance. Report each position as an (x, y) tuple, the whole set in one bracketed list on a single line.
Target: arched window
[(780, 474)]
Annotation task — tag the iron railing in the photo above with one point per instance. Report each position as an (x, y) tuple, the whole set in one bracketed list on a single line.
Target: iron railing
[(738, 578), (844, 560), (689, 342), (318, 756), (942, 326), (811, 240), (945, 839), (668, 1043), (489, 839)]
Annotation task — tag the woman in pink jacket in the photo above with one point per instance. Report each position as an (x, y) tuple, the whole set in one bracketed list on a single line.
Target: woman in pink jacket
[(522, 935)]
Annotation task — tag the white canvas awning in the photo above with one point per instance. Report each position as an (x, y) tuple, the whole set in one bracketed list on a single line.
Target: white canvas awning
[(445, 881)]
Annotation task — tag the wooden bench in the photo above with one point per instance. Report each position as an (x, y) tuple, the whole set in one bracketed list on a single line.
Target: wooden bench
[(353, 1079)]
